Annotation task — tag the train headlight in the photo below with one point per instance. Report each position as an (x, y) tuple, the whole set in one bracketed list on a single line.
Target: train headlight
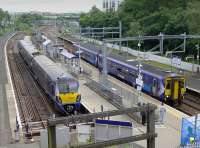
[(78, 99)]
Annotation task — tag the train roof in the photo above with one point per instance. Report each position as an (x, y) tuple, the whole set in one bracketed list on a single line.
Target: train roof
[(29, 47), (53, 70), (146, 68)]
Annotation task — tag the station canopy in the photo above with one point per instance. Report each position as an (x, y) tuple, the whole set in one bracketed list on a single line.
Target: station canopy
[(68, 55)]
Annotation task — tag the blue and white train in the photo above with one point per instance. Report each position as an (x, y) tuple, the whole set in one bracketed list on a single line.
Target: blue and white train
[(60, 86), (166, 86)]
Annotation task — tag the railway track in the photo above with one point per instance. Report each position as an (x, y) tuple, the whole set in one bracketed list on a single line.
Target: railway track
[(34, 106), (191, 104)]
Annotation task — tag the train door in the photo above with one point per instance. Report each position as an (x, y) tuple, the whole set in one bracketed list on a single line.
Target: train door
[(168, 87), (176, 89), (154, 87), (97, 61)]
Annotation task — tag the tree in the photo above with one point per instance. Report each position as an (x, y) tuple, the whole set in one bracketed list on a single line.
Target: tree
[(147, 17)]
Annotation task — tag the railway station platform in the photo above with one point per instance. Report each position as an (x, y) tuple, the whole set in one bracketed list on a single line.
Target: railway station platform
[(172, 122)]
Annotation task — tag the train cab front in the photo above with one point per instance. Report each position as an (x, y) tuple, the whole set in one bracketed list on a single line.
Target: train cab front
[(67, 95), (175, 89)]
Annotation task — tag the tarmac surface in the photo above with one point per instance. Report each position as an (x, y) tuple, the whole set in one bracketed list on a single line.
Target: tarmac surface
[(5, 132), (194, 82)]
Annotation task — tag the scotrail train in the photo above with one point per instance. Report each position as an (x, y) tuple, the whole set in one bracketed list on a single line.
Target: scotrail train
[(163, 85), (60, 86)]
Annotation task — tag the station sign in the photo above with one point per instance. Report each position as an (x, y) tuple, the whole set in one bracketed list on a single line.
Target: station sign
[(110, 129), (139, 88)]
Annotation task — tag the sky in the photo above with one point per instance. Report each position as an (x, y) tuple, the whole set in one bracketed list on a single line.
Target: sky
[(58, 6)]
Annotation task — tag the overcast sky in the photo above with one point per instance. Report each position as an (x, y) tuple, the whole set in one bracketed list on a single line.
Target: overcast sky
[(49, 5)]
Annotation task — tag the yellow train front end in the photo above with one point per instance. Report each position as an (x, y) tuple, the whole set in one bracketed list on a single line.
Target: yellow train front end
[(68, 95), (175, 89)]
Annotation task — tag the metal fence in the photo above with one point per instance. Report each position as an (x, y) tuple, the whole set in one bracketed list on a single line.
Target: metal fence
[(130, 98), (124, 97), (120, 97)]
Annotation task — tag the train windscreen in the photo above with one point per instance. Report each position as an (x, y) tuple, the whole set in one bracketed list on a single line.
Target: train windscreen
[(73, 86), (63, 88)]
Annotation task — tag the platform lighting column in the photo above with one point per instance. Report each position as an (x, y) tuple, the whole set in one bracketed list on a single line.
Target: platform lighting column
[(139, 85), (79, 51)]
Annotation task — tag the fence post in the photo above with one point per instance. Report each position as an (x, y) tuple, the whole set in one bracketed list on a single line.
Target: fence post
[(51, 136), (150, 127)]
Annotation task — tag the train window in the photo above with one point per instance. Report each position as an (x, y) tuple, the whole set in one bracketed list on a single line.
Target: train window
[(73, 86), (63, 88), (119, 69), (168, 85)]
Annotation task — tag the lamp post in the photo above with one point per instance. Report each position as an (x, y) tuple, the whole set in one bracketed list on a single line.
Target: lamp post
[(139, 81)]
